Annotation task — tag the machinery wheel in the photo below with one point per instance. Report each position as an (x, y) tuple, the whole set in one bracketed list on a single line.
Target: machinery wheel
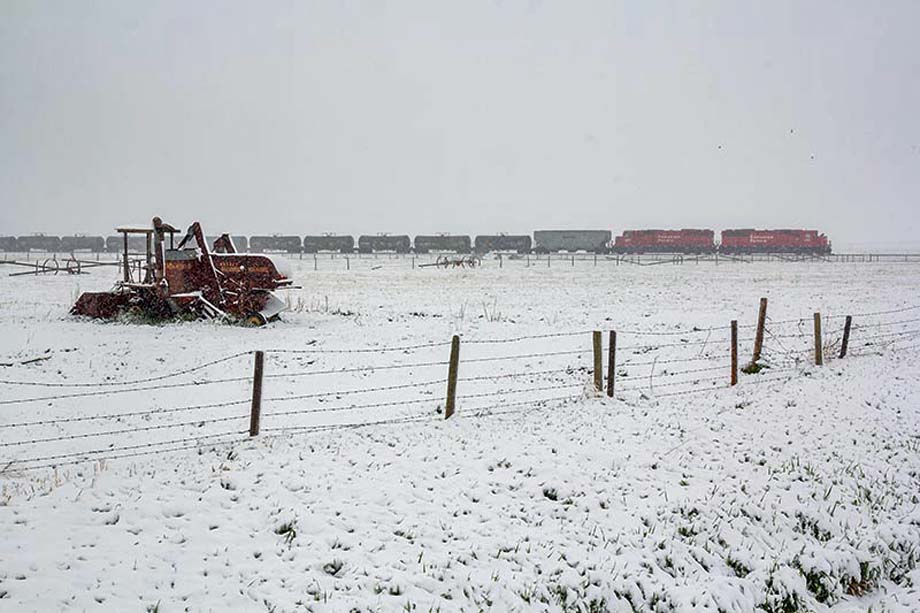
[(255, 320)]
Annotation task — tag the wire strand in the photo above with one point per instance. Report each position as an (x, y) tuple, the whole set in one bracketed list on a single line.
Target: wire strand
[(171, 375), (115, 416), (68, 437), (89, 452)]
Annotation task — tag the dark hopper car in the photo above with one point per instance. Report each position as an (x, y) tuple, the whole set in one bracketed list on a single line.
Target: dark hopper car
[(137, 243), (383, 244), (39, 242), (502, 242), (336, 244), (455, 244), (8, 243), (93, 244), (240, 243), (274, 244)]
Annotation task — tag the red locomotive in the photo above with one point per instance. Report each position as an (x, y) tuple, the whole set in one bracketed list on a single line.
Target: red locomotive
[(774, 241), (665, 241)]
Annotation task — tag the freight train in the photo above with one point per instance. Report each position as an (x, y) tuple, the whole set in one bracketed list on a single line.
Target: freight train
[(686, 241)]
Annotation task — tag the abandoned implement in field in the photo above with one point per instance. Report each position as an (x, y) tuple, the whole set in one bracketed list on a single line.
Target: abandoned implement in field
[(191, 280)]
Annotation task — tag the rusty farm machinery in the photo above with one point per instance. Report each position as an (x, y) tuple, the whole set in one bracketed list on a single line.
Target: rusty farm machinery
[(191, 279)]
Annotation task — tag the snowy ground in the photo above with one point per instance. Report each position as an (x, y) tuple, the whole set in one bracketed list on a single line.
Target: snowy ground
[(795, 491)]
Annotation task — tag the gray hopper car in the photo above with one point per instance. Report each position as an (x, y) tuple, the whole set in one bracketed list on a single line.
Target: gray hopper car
[(338, 244), (268, 244), (456, 244), (93, 244), (554, 241), (7, 243), (502, 242), (399, 243), (39, 242)]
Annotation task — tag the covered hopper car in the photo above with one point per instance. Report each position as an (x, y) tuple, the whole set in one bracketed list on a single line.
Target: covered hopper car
[(554, 241), (665, 241), (93, 244), (337, 244), (385, 243), (8, 243), (809, 242), (456, 244), (487, 243), (274, 244)]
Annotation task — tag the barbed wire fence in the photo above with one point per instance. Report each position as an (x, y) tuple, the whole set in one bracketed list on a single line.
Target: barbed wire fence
[(495, 376)]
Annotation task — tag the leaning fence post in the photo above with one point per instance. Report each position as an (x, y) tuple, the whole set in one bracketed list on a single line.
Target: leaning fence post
[(611, 362), (846, 336), (256, 412), (734, 352), (598, 361), (819, 351), (761, 323), (452, 377)]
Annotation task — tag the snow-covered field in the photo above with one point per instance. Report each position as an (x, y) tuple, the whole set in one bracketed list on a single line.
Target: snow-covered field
[(795, 491)]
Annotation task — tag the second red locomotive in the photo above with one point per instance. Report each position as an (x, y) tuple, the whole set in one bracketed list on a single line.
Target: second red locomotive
[(774, 241), (665, 241)]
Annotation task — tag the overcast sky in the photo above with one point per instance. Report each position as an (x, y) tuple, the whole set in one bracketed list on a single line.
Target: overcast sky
[(467, 116)]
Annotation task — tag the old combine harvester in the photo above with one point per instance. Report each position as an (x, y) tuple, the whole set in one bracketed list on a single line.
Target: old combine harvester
[(191, 280)]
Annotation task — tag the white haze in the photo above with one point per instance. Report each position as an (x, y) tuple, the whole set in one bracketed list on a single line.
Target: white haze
[(466, 117)]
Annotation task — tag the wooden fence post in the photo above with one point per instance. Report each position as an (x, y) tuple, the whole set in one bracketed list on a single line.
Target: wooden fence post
[(819, 349), (598, 361), (452, 377), (611, 362), (734, 352), (846, 336), (761, 323), (256, 413)]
